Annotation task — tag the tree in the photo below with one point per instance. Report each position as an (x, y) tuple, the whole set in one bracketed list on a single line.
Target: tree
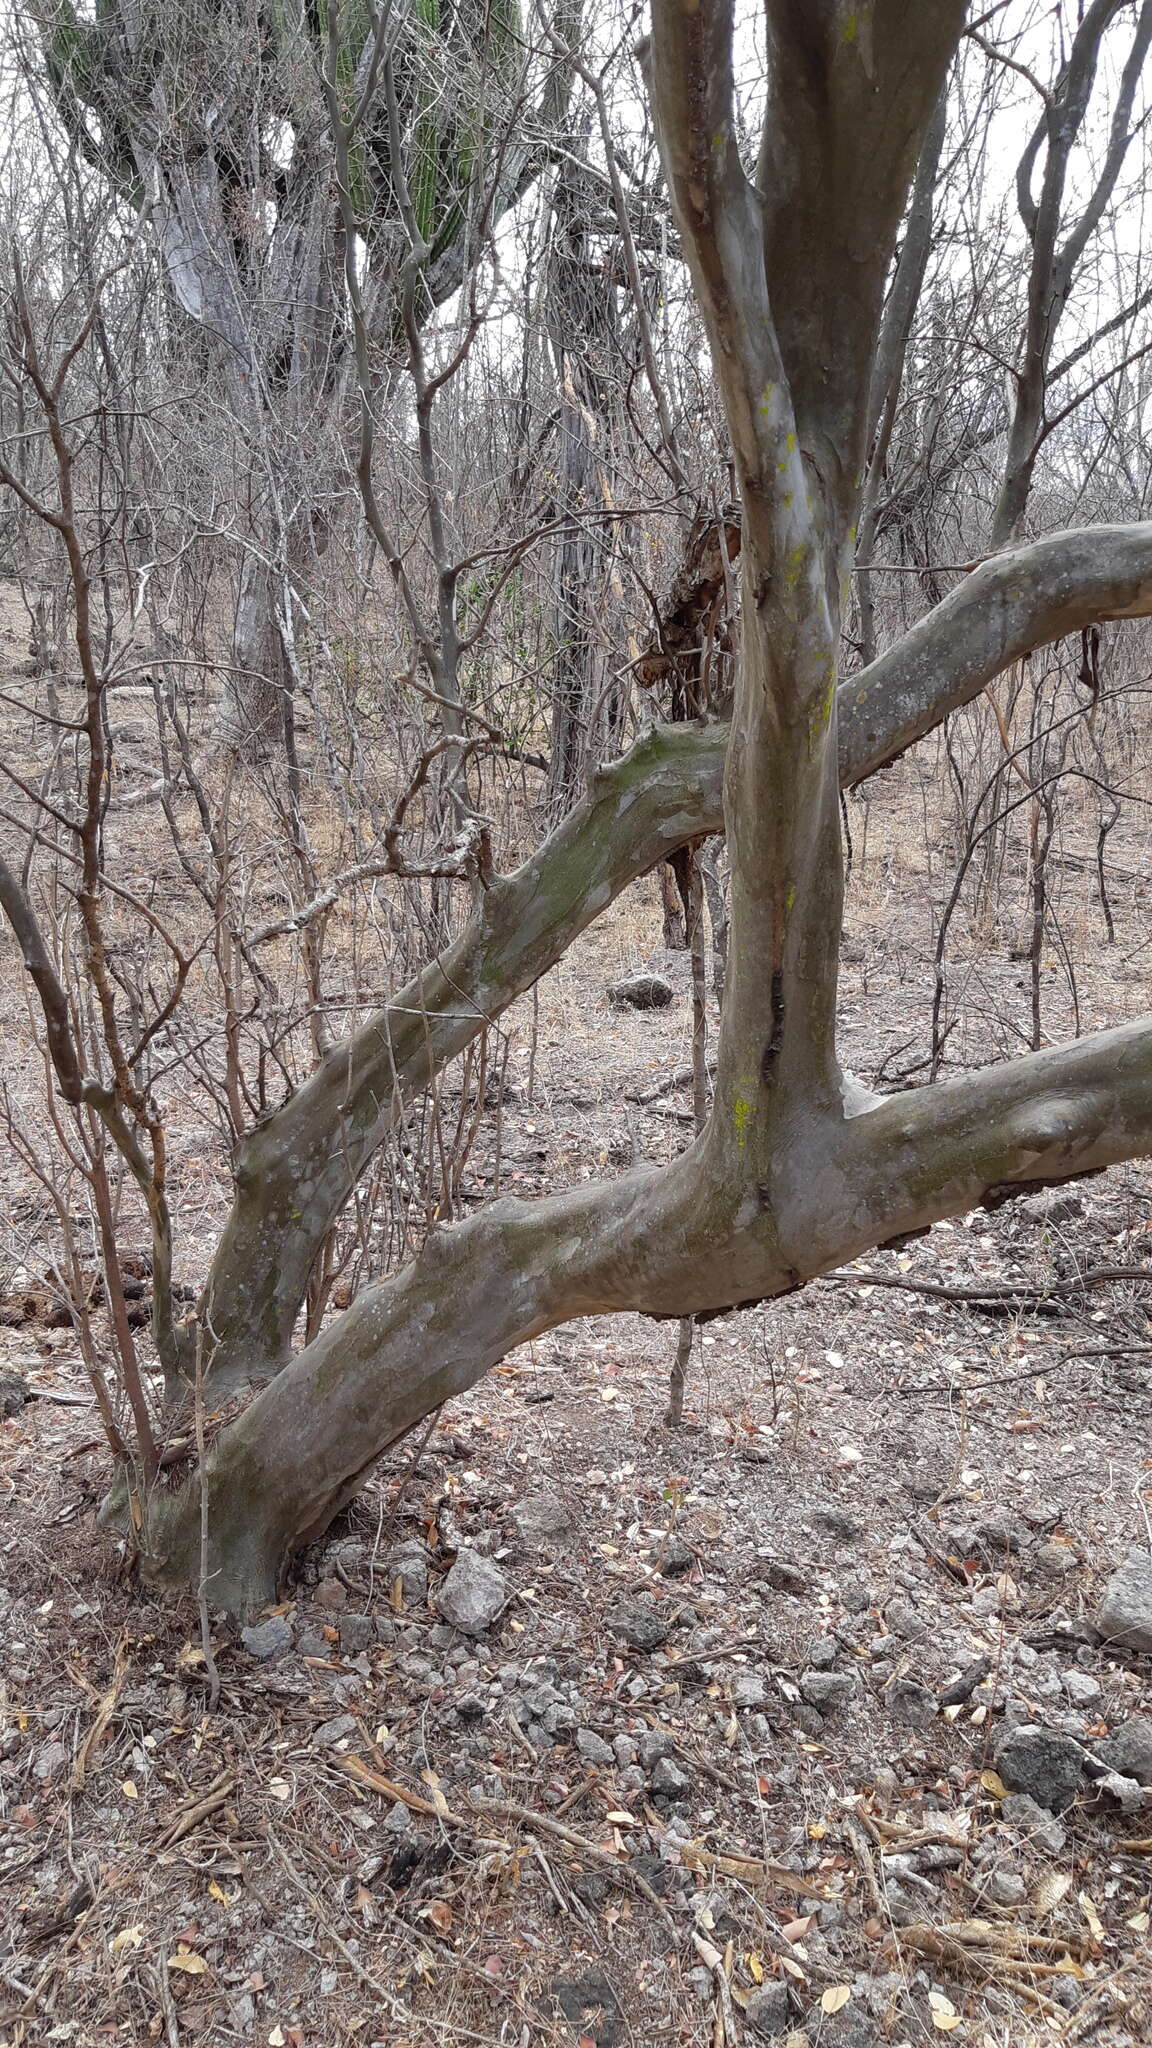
[(797, 1168), (220, 122)]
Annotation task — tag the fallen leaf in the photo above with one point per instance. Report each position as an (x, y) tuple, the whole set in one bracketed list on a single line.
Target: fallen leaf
[(279, 1788), (217, 1892), (276, 2038), (128, 1937), (994, 1783), (439, 1912), (1139, 1923), (945, 2017), (129, 1790), (1088, 1908), (835, 1998), (1052, 1887), (186, 1959), (620, 1818)]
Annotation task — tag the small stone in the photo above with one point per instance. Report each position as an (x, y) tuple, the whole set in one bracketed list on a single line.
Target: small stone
[(822, 1653), (828, 1691), (473, 1594), (1132, 1797), (543, 1520), (50, 1761), (1129, 1749), (911, 1703), (268, 1639), (836, 1521), (331, 1596), (1124, 1616), (675, 1559), (14, 1393), (749, 1689), (651, 1745), (313, 1644), (784, 1577), (337, 1730), (699, 1982), (1005, 1888), (669, 1780), (641, 991), (1082, 1689), (357, 1634), (1053, 1205), (329, 1982), (1041, 1830), (769, 2010), (904, 1621), (1047, 1766), (594, 1748), (986, 1600), (639, 1626), (1054, 1560), (409, 1563)]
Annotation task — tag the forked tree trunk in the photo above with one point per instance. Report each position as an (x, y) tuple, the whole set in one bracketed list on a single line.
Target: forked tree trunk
[(797, 1169)]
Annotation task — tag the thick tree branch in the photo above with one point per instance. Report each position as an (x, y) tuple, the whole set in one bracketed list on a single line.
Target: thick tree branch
[(1009, 605)]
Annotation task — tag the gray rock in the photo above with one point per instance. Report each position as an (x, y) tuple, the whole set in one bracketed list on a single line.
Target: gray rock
[(1125, 1612), (699, 1982), (1040, 1829), (1054, 1205), (783, 1577), (50, 1761), (473, 1594), (675, 1559), (543, 1520), (835, 1520), (1082, 1689), (14, 1392), (559, 1722), (641, 991), (903, 1620), (313, 1644), (769, 2010), (1129, 1795), (749, 1689), (910, 1703), (357, 1634), (337, 1730), (470, 1709), (651, 1745), (822, 1653), (1054, 1560), (1047, 1766), (670, 1780), (829, 1690), (594, 1748), (268, 1639), (1129, 1749), (1005, 1888), (640, 1626), (409, 1563)]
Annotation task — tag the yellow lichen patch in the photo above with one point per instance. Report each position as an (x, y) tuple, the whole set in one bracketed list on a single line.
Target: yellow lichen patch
[(743, 1112)]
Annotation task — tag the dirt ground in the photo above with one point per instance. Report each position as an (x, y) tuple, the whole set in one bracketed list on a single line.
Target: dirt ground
[(723, 1766)]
